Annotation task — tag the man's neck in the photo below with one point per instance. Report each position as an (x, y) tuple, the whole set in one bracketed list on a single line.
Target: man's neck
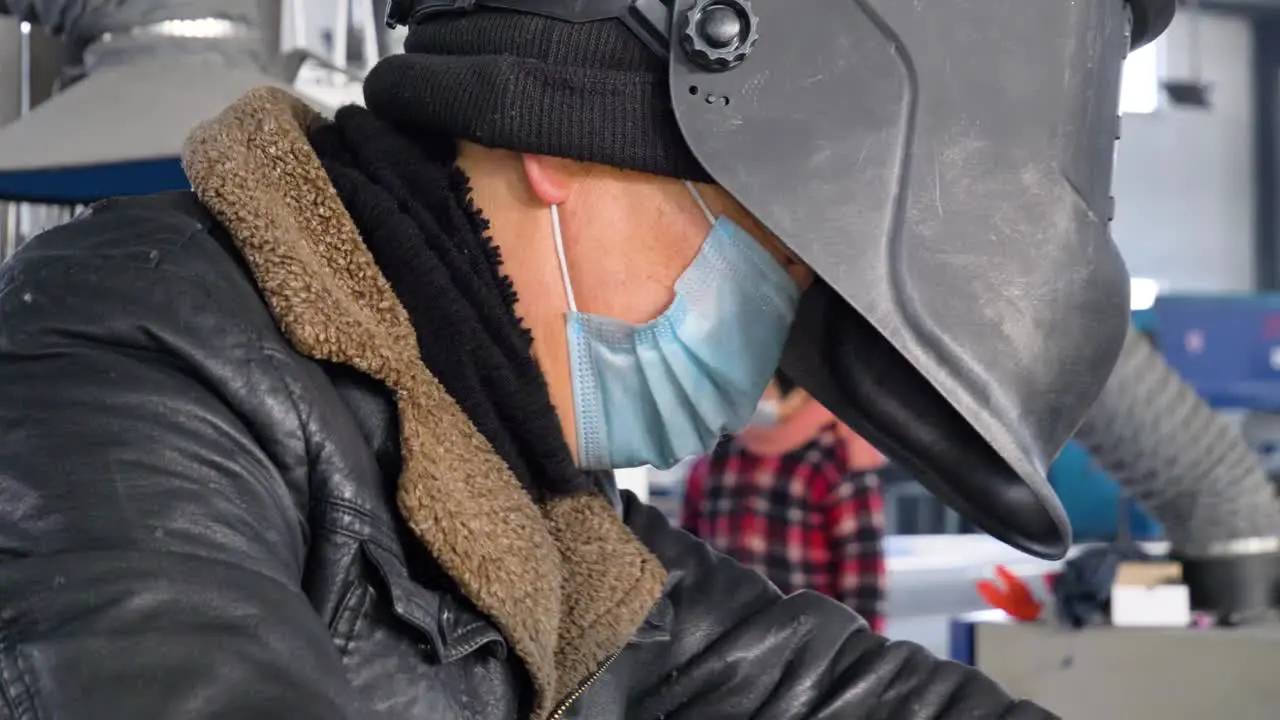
[(521, 229)]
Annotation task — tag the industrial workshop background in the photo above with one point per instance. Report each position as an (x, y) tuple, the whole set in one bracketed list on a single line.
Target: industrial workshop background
[(1197, 193)]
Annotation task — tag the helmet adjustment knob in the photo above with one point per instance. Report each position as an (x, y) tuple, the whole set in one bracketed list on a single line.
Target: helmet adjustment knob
[(719, 34)]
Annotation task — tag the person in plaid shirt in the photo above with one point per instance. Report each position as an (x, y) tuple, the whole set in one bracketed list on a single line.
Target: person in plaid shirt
[(796, 497)]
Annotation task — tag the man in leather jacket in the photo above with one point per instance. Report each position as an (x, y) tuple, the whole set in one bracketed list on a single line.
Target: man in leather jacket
[(328, 436)]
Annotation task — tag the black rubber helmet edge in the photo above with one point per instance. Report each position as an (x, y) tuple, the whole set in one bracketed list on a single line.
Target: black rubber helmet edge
[(1150, 19)]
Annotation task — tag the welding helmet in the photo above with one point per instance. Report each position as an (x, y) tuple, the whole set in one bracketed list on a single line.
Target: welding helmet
[(944, 168)]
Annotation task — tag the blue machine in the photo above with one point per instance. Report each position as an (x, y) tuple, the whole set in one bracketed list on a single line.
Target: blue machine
[(1226, 347)]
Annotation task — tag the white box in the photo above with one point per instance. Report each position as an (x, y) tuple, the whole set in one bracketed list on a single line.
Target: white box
[(1150, 606)]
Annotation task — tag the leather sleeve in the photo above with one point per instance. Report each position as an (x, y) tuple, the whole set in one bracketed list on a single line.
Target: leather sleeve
[(151, 544), (739, 649)]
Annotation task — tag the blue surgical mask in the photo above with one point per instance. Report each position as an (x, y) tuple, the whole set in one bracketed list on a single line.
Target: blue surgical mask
[(658, 392)]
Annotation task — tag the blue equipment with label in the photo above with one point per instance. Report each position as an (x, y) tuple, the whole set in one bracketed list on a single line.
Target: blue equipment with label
[(1226, 347)]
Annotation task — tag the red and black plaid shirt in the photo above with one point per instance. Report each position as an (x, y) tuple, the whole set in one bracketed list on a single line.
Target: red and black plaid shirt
[(803, 519)]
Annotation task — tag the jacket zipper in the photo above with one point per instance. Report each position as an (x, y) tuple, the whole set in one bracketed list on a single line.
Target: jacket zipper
[(568, 702)]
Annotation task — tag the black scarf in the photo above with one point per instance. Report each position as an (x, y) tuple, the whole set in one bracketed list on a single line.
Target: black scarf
[(412, 205)]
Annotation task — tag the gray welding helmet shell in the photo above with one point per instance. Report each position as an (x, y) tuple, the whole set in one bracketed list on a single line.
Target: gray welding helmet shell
[(945, 170)]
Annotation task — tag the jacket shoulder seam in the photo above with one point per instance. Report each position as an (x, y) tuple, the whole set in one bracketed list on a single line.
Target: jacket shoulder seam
[(273, 357)]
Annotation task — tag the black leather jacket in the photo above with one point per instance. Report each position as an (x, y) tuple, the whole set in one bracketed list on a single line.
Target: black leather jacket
[(196, 521)]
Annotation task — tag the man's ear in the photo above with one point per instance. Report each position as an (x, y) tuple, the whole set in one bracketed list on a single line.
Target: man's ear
[(552, 180)]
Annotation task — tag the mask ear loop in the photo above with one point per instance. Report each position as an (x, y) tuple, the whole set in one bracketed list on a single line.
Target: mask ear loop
[(559, 240), (701, 203), (564, 265)]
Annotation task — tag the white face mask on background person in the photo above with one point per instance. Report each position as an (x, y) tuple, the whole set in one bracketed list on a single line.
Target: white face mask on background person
[(768, 413)]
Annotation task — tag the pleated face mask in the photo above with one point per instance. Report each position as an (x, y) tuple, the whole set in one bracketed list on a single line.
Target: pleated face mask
[(661, 391)]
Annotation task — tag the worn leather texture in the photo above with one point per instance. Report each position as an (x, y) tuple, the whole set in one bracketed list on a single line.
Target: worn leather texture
[(196, 521)]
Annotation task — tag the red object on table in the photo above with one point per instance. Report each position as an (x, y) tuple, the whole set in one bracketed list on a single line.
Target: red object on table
[(1011, 595)]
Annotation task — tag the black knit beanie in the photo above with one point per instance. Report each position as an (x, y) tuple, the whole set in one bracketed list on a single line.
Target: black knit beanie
[(584, 91)]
